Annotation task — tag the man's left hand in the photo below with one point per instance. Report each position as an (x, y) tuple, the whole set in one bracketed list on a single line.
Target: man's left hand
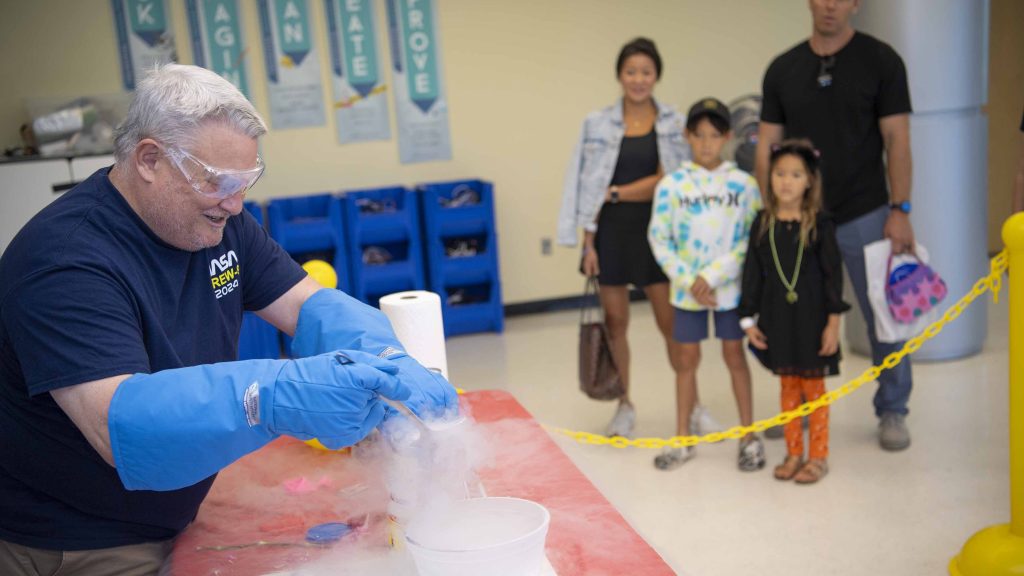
[(899, 232), (432, 395)]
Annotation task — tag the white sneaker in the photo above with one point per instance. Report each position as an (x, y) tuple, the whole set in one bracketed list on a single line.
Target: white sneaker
[(623, 421), (702, 422)]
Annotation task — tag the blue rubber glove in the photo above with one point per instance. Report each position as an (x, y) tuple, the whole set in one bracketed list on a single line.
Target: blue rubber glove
[(333, 320), (177, 427), (432, 396)]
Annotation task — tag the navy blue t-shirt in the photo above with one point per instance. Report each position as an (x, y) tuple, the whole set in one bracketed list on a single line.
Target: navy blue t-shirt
[(88, 291)]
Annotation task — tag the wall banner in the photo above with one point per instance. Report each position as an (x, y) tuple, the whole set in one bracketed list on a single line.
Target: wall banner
[(215, 28), (292, 64), (145, 37), (360, 106), (420, 104)]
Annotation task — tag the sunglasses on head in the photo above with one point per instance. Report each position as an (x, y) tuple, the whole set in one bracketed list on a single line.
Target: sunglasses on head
[(825, 66), (214, 182)]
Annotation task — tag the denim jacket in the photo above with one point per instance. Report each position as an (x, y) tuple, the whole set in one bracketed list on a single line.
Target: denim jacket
[(594, 159)]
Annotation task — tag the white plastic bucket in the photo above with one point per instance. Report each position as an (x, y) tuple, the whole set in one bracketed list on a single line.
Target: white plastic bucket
[(492, 536)]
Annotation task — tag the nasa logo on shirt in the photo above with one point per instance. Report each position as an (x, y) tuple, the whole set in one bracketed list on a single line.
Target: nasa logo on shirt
[(225, 273)]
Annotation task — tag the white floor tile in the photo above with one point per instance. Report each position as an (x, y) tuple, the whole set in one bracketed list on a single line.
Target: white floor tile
[(876, 512)]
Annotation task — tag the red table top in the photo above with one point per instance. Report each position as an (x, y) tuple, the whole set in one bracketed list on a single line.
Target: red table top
[(256, 516)]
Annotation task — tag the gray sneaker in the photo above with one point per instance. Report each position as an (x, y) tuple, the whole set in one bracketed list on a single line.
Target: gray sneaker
[(893, 434), (672, 458), (702, 422), (623, 421), (751, 455)]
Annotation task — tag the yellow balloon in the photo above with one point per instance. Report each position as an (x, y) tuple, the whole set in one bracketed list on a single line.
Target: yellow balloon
[(316, 444), (322, 272)]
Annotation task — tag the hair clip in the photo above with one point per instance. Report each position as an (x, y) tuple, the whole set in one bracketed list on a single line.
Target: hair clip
[(776, 148), (816, 152)]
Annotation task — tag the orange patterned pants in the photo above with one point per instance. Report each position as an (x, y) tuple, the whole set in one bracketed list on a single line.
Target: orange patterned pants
[(810, 388)]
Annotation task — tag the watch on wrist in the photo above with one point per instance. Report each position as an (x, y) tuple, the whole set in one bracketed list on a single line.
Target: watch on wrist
[(614, 194), (901, 206)]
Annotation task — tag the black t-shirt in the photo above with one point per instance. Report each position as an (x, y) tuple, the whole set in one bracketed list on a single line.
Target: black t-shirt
[(88, 291), (868, 82), (638, 158)]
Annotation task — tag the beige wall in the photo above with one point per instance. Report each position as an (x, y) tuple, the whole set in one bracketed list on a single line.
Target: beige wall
[(1005, 101), (521, 75)]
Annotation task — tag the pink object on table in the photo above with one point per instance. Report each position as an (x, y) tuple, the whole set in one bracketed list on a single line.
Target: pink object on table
[(301, 485)]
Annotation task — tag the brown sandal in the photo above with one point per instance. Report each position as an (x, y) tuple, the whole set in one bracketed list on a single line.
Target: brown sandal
[(789, 467), (814, 470)]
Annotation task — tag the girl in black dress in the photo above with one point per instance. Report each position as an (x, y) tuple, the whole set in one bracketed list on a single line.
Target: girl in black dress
[(793, 285)]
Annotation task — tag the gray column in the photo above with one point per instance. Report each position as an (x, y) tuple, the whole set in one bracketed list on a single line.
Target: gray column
[(944, 44)]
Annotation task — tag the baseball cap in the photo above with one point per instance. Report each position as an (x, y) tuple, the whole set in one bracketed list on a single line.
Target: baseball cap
[(709, 107)]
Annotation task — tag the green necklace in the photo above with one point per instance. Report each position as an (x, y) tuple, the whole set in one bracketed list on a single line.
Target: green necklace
[(791, 296)]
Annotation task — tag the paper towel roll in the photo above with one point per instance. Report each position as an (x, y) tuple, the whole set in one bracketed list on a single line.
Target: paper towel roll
[(416, 317)]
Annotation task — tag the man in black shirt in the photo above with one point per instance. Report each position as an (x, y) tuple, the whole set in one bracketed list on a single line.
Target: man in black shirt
[(848, 93)]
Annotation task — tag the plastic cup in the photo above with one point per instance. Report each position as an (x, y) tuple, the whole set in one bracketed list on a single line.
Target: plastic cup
[(494, 536)]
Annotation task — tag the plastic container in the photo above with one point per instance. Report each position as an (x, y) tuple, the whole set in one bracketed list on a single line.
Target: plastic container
[(494, 536)]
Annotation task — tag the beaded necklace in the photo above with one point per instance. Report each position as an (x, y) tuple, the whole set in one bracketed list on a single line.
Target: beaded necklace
[(790, 285)]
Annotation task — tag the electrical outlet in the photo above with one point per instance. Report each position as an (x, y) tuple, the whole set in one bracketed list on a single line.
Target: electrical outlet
[(545, 246)]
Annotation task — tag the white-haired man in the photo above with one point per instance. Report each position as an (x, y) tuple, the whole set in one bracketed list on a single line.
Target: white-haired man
[(120, 310)]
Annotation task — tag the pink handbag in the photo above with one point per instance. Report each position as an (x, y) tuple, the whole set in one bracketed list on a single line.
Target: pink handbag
[(913, 289)]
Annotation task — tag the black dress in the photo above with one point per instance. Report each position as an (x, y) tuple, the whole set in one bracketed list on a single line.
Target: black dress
[(794, 330), (623, 253)]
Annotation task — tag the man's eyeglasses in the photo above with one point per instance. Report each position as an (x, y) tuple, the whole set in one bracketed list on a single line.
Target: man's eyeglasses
[(214, 182), (825, 67)]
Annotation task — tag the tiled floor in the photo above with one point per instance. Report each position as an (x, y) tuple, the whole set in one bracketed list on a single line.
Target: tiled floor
[(880, 513)]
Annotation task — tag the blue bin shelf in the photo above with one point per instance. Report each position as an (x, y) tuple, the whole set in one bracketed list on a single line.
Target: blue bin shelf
[(448, 223), (257, 338), (309, 227), (256, 209), (385, 219)]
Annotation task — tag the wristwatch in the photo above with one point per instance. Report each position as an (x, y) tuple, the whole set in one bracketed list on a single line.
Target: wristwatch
[(901, 206), (614, 192)]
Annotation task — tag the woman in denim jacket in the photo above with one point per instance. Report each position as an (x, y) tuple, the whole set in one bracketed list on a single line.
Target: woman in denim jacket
[(623, 151)]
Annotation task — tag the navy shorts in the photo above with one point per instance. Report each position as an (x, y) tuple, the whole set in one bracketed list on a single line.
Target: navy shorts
[(691, 326)]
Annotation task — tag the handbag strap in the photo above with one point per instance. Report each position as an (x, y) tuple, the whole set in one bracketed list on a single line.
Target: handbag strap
[(888, 266), (590, 288)]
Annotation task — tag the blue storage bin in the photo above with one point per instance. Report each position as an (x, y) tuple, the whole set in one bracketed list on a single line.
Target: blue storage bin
[(256, 209), (461, 246), (258, 339), (385, 250), (309, 227)]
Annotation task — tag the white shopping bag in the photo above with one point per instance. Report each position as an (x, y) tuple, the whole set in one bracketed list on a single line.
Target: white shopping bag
[(876, 264)]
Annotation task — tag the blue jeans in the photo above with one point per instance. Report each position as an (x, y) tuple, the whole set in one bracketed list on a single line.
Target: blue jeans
[(893, 385)]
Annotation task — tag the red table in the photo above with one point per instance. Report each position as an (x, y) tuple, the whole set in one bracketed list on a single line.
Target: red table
[(255, 519)]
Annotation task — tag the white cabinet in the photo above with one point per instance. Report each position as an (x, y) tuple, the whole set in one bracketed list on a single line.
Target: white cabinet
[(26, 188), (82, 168)]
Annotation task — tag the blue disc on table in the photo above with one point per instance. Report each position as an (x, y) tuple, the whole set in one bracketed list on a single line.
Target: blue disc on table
[(328, 532)]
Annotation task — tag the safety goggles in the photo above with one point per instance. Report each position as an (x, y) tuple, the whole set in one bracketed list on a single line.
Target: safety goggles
[(214, 182)]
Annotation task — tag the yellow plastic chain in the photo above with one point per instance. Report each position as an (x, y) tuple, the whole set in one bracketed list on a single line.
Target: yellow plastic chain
[(993, 282)]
